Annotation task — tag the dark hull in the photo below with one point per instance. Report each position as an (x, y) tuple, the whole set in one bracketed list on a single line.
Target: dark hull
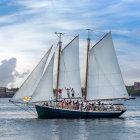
[(47, 112)]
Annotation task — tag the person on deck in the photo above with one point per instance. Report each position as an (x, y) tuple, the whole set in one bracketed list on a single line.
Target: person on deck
[(93, 106), (72, 92), (99, 103), (77, 105), (63, 104), (81, 106), (89, 107), (70, 102), (67, 103), (111, 107), (102, 106), (68, 91), (73, 104), (60, 93)]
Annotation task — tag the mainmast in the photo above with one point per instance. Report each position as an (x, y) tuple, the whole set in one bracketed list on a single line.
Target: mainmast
[(58, 67), (88, 47)]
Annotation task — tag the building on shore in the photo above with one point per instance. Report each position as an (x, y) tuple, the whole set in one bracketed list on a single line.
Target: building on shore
[(2, 91), (6, 93), (136, 85)]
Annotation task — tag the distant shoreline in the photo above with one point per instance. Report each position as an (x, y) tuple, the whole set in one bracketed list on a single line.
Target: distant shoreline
[(6, 97)]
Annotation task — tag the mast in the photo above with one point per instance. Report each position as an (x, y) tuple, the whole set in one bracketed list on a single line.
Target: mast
[(88, 47), (58, 67)]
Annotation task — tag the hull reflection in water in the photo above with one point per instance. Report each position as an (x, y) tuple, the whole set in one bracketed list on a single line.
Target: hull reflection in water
[(50, 112)]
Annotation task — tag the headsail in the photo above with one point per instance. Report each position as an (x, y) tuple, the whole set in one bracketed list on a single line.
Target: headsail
[(104, 75), (69, 74), (44, 90), (28, 87)]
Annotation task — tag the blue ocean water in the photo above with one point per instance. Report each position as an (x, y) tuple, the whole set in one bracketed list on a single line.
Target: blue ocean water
[(17, 124)]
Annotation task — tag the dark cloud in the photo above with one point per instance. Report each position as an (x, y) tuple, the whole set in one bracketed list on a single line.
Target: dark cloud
[(8, 72)]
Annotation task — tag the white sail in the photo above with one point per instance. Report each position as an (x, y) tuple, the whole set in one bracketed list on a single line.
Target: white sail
[(44, 90), (28, 87), (104, 75), (69, 73)]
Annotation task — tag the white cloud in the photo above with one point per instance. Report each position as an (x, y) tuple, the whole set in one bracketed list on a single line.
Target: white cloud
[(8, 19), (35, 3), (32, 28), (131, 1), (129, 60)]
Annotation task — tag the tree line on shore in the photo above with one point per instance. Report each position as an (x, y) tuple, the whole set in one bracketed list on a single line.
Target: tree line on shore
[(132, 91)]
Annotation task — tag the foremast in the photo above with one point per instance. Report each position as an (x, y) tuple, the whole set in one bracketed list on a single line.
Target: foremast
[(88, 47), (58, 66)]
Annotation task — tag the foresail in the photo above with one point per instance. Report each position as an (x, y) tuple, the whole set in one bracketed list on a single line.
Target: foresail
[(104, 76), (44, 90), (69, 74), (28, 87)]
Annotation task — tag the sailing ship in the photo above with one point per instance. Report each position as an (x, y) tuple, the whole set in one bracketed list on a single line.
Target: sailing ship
[(103, 82)]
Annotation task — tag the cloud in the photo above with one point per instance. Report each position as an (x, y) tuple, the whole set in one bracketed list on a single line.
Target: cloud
[(136, 33), (129, 60), (35, 3), (8, 72), (7, 67), (7, 19), (133, 1), (27, 30), (22, 75)]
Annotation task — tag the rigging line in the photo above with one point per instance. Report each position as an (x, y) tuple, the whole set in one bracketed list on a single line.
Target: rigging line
[(98, 31), (105, 75), (93, 43), (99, 36), (69, 35), (31, 108), (55, 42), (92, 30), (23, 109), (28, 109)]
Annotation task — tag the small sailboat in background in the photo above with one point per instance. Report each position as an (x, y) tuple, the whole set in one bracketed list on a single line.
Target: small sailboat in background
[(103, 82)]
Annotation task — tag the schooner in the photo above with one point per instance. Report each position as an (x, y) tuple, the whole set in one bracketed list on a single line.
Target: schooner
[(103, 82)]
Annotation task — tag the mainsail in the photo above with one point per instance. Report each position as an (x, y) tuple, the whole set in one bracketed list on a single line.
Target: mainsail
[(69, 73), (104, 79), (28, 87), (44, 90)]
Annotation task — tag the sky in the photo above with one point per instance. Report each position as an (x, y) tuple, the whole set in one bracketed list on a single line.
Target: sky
[(27, 31)]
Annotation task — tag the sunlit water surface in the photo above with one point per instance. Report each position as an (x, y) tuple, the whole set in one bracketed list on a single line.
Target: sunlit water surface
[(17, 124)]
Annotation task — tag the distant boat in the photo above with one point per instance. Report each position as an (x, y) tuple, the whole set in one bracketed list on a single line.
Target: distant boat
[(103, 82)]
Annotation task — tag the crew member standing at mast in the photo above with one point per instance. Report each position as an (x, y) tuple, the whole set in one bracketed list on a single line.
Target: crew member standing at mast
[(60, 93), (68, 91), (72, 92)]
